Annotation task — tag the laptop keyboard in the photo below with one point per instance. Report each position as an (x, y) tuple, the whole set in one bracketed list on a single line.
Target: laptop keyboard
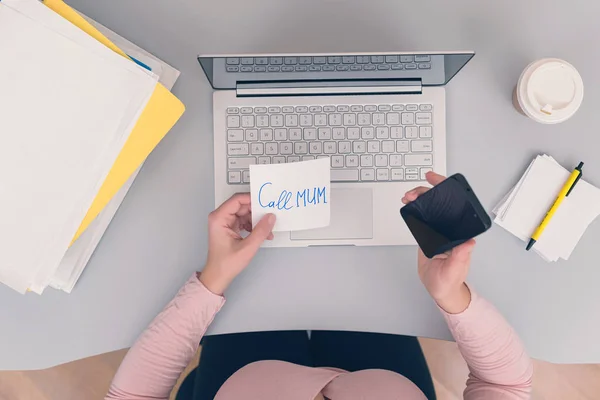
[(327, 64), (365, 143)]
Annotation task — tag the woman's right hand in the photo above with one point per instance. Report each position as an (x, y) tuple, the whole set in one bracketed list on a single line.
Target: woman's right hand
[(444, 275)]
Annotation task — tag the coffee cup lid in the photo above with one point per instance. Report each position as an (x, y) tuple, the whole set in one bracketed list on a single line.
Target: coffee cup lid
[(550, 90)]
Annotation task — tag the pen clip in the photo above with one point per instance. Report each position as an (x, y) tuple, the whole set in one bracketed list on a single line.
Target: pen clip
[(579, 168)]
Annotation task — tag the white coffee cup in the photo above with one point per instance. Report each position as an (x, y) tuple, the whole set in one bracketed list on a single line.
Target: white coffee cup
[(549, 91)]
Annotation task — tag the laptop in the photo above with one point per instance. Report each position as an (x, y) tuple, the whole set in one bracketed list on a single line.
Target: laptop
[(379, 117)]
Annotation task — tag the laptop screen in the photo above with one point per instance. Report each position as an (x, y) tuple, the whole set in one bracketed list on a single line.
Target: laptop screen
[(430, 69)]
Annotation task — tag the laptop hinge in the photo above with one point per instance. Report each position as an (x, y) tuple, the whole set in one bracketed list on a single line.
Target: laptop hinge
[(329, 88)]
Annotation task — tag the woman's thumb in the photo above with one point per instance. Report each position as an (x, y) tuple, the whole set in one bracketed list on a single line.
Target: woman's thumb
[(261, 232)]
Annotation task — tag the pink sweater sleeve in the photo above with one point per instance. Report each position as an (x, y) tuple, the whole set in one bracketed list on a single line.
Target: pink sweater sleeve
[(500, 368), (154, 363)]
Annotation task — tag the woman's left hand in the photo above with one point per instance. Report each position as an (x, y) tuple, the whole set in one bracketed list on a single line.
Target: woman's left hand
[(228, 252)]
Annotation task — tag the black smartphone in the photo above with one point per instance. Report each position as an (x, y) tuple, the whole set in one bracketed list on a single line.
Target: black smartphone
[(446, 216)]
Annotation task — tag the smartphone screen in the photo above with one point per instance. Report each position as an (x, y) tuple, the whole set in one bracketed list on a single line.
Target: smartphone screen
[(445, 216)]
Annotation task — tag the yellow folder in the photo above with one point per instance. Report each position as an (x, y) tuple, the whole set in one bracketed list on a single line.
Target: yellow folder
[(157, 119)]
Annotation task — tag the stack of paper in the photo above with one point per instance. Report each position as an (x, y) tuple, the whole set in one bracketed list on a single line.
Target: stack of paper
[(524, 208), (78, 119)]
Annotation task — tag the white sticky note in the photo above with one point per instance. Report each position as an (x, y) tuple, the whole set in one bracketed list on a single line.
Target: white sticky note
[(297, 193)]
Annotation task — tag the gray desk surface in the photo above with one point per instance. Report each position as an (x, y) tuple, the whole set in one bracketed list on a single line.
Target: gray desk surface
[(158, 238)]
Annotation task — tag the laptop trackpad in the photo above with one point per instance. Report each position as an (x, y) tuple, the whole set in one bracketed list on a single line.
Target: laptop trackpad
[(351, 217)]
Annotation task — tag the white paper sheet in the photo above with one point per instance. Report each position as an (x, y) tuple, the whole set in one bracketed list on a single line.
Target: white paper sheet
[(63, 125), (297, 193)]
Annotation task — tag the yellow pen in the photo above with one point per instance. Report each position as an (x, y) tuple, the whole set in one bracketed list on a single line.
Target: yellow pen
[(564, 192)]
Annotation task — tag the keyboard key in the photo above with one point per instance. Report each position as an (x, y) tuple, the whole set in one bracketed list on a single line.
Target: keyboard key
[(412, 177), (344, 175), (320, 120), (363, 59), (276, 120), (343, 108), (334, 60), (392, 118), (328, 68), (370, 108), (397, 174), (406, 59), (410, 66), (397, 66), (395, 160), (260, 110), (366, 160), (246, 68), (388, 146), (240, 149), (272, 149), (356, 68), (287, 68), (411, 171), (412, 107), (290, 60), (337, 161), (377, 59), (352, 161), (411, 132), (306, 120), (257, 148), (329, 109), (234, 177), (402, 146), (261, 61), (344, 147), (262, 121), (342, 68), (288, 109), (233, 121), (368, 132), (378, 119), (246, 175), (280, 134), (359, 147), (382, 67), (335, 119), (248, 121), (383, 174), (232, 110), (301, 109), (286, 148), (424, 172), (425, 66), (324, 133), (274, 109), (329, 147), (421, 145), (251, 135), (259, 68), (315, 148), (425, 107), (356, 108), (382, 132), (314, 68), (273, 68), (295, 134), (349, 119), (278, 160), (292, 159), (370, 68), (425, 132), (418, 159), (348, 60), (246, 110), (423, 118), (398, 107), (264, 160), (391, 59), (240, 162), (308, 158), (422, 58), (247, 61), (266, 135), (301, 68), (353, 133), (373, 146), (364, 119), (319, 60), (235, 135), (276, 60), (305, 60), (301, 148), (310, 134), (407, 118), (315, 109), (396, 132), (381, 160), (367, 174), (233, 69), (384, 107), (339, 133)]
